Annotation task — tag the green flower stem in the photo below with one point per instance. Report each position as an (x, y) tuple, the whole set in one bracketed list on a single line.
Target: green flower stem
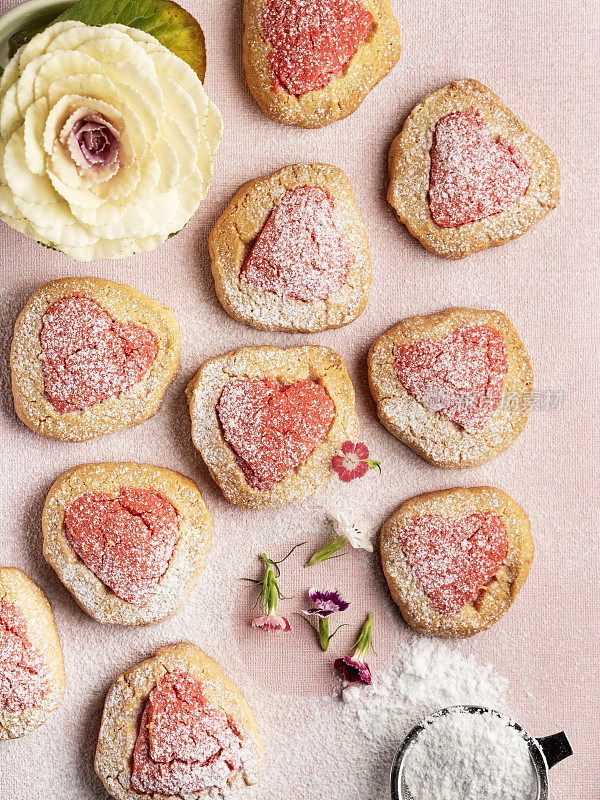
[(324, 633), (322, 630), (362, 644), (374, 464), (270, 590), (327, 551)]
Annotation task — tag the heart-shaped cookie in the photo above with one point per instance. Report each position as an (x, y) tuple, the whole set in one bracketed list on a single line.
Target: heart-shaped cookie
[(184, 744), (273, 428), (87, 357), (473, 174), (23, 678), (454, 558), (127, 541), (311, 42), (460, 376), (300, 253)]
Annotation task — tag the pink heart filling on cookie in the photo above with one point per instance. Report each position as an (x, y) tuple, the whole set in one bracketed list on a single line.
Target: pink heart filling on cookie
[(473, 175), (273, 428), (460, 377), (454, 558), (23, 678), (184, 744), (127, 541), (311, 41), (300, 253), (87, 357)]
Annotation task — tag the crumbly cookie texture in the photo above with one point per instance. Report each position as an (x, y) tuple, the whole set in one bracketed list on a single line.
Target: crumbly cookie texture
[(319, 364), (185, 565), (134, 405), (495, 598), (17, 589), (437, 439), (409, 172), (371, 62), (123, 708), (242, 221)]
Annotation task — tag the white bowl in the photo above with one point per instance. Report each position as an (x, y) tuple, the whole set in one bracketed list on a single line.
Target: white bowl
[(32, 14)]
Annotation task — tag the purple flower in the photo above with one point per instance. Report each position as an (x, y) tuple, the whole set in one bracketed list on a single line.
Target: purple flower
[(353, 670), (92, 140), (326, 602)]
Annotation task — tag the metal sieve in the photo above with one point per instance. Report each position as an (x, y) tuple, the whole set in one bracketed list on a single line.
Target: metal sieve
[(544, 752)]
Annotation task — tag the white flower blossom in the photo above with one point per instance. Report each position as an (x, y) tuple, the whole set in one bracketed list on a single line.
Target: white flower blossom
[(106, 141), (357, 537)]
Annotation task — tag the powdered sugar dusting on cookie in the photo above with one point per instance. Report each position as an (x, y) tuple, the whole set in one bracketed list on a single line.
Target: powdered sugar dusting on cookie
[(473, 175), (140, 400), (300, 253), (177, 708), (164, 579), (87, 356), (460, 377), (23, 675), (410, 168), (454, 558), (184, 744), (312, 40), (273, 428), (127, 541)]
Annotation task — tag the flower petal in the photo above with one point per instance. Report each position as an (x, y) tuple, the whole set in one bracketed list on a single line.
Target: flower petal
[(361, 469), (74, 196), (180, 106), (142, 79), (272, 622), (40, 43), (361, 450), (214, 126), (169, 165), (150, 119), (353, 671), (327, 601), (191, 191), (169, 65), (120, 186), (10, 115), (56, 65), (33, 132), (11, 72), (110, 49), (72, 38), (91, 84)]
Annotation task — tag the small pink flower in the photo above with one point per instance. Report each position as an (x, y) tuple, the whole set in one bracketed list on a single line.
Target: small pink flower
[(270, 593), (354, 461), (271, 622)]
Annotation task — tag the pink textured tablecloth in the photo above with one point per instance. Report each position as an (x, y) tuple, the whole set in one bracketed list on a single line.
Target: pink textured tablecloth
[(541, 58)]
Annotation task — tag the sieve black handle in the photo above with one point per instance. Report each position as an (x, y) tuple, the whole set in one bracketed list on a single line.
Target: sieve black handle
[(555, 748)]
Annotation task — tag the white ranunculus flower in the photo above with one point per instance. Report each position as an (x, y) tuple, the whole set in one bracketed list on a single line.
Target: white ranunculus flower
[(106, 141)]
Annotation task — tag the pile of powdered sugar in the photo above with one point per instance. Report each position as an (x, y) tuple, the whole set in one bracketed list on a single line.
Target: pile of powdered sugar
[(464, 756), (342, 747), (425, 675)]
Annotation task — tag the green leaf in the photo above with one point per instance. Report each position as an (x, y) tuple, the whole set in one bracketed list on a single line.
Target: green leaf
[(172, 25)]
